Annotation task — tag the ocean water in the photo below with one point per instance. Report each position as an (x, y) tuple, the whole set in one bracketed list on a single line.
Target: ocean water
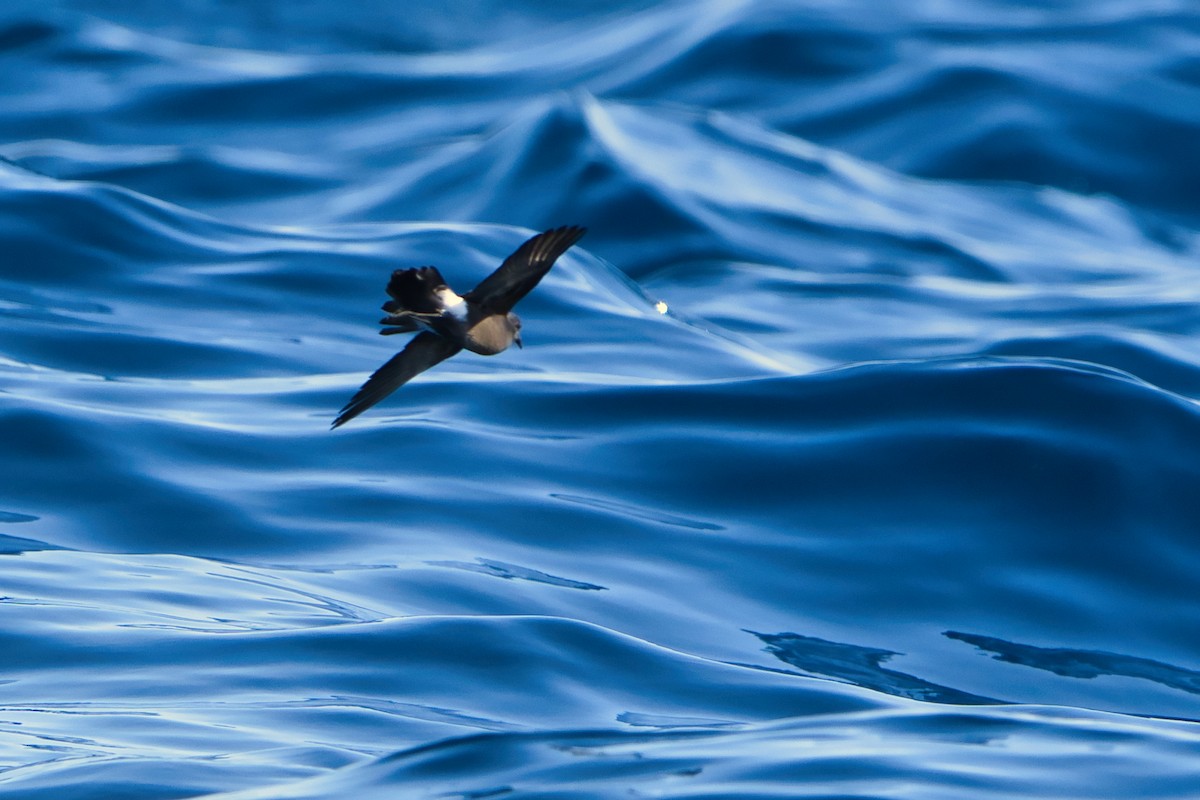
[(854, 452)]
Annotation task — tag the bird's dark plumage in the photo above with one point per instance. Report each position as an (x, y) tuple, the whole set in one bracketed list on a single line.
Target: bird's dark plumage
[(480, 321), (422, 352), (413, 290)]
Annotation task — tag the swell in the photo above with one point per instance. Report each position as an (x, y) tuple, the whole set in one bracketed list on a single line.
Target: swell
[(995, 497), (841, 754)]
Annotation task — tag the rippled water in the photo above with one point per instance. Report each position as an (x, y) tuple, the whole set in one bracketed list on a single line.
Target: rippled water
[(897, 498)]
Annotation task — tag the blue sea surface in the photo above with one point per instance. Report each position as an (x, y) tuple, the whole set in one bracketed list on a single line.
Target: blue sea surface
[(853, 453)]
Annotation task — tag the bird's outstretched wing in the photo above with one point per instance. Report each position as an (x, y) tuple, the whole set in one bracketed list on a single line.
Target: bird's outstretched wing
[(421, 353), (521, 271)]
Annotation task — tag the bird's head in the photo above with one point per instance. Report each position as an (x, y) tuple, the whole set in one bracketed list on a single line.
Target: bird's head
[(514, 322)]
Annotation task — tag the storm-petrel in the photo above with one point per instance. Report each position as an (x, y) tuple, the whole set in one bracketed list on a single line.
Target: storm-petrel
[(480, 321)]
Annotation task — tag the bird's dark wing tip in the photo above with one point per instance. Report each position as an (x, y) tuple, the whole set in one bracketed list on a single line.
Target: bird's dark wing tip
[(349, 411), (554, 242), (567, 234)]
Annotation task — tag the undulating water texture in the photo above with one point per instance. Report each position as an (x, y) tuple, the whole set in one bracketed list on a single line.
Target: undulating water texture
[(853, 452)]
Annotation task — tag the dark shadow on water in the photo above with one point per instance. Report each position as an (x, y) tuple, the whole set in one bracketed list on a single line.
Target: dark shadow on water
[(860, 666), (15, 545), (1083, 663)]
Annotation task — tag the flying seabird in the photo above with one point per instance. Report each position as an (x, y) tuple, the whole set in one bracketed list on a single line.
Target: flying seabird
[(481, 321)]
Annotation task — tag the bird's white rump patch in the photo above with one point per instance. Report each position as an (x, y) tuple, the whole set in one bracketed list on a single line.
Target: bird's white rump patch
[(451, 303)]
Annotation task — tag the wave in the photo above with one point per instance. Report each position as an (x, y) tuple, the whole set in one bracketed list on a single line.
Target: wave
[(853, 449)]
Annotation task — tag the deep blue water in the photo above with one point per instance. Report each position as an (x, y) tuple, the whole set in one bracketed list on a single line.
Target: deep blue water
[(899, 498)]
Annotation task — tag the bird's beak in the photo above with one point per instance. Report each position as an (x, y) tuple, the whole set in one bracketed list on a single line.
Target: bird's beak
[(517, 341)]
